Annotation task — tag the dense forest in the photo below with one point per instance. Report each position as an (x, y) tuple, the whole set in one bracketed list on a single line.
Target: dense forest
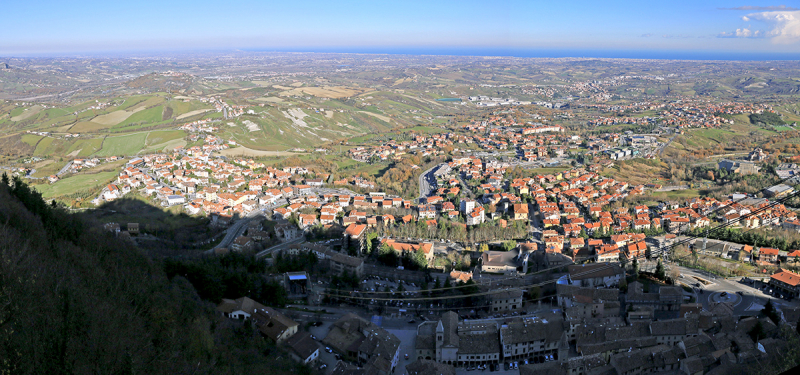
[(77, 300)]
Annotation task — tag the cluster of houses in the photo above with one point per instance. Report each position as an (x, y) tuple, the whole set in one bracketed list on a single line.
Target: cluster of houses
[(273, 325), (372, 349), (685, 113), (78, 165), (200, 126), (659, 332)]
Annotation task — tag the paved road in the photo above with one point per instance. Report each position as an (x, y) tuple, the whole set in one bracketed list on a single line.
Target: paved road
[(661, 150), (427, 182), (465, 187), (281, 246), (30, 175), (65, 169), (747, 300), (235, 230)]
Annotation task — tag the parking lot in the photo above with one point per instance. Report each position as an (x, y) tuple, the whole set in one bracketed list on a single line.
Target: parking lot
[(382, 284)]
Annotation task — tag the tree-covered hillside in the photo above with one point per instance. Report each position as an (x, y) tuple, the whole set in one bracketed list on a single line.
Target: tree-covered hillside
[(77, 300)]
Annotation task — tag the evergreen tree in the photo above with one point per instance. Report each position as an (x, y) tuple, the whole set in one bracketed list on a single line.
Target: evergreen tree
[(420, 260), (660, 273), (757, 332), (770, 311)]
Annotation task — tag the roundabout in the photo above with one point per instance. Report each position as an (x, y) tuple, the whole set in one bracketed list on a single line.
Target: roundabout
[(725, 297)]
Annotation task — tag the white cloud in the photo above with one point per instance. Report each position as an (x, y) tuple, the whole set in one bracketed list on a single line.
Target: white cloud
[(745, 19), (786, 25), (742, 33), (751, 7)]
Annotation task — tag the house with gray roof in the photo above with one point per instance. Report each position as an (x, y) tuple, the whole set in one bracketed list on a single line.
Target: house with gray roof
[(507, 300), (304, 349), (429, 367), (535, 339), (458, 344), (479, 344), (364, 342)]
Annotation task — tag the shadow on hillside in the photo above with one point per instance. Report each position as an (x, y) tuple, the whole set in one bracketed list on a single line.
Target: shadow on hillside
[(161, 231)]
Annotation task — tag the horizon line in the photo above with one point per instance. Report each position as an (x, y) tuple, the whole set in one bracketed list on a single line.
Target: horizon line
[(509, 52)]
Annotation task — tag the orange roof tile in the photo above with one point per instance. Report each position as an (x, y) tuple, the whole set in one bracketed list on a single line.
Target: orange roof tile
[(787, 277)]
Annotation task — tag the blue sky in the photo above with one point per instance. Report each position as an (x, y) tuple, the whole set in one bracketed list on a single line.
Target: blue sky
[(65, 27)]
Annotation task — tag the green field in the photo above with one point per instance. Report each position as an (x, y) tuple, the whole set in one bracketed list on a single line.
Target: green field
[(123, 145), (157, 141), (426, 129), (147, 116), (31, 139), (75, 184), (87, 127), (157, 137), (44, 144), (676, 194), (134, 101), (86, 147), (17, 111), (51, 168)]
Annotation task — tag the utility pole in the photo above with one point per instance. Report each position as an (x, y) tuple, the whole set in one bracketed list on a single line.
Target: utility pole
[(705, 240)]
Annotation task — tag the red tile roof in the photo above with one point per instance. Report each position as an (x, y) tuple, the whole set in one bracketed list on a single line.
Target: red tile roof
[(768, 251), (355, 230), (787, 277)]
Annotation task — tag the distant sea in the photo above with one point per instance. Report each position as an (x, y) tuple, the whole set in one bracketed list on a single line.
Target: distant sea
[(555, 53)]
